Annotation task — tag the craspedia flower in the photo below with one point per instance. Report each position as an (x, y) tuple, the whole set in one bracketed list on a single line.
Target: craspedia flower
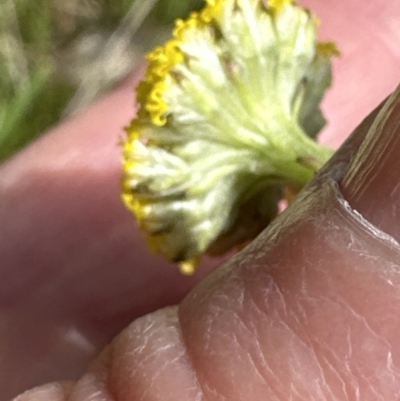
[(228, 113)]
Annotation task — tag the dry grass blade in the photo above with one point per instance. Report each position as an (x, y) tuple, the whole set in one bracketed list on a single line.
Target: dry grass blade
[(56, 57)]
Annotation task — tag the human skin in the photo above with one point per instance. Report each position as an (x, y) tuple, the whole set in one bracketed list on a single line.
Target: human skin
[(309, 313)]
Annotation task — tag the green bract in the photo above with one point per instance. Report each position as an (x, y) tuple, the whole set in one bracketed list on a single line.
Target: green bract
[(229, 109)]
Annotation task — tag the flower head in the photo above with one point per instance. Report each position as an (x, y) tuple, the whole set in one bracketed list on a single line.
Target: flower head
[(228, 111)]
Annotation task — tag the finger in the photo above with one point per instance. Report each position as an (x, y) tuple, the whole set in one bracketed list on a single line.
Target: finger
[(74, 269), (84, 151), (54, 392), (63, 222), (308, 311), (63, 177), (311, 311), (372, 184)]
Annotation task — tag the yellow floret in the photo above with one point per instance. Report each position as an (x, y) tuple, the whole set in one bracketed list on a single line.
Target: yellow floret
[(214, 8), (189, 266), (228, 115), (150, 93), (278, 5)]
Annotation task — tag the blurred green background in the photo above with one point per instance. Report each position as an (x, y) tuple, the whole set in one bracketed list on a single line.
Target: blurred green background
[(58, 56)]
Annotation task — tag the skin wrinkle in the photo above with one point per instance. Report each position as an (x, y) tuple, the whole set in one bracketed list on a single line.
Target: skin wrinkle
[(339, 360), (170, 358), (395, 373), (285, 322), (326, 360), (307, 346), (95, 383), (167, 362), (363, 320), (326, 387), (188, 360), (295, 390), (356, 316), (324, 299), (258, 308), (330, 300), (234, 339), (256, 357), (216, 395), (359, 396), (265, 365), (377, 394), (390, 374), (152, 354), (359, 315)]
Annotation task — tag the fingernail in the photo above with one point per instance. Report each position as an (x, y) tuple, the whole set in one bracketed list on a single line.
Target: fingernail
[(371, 183)]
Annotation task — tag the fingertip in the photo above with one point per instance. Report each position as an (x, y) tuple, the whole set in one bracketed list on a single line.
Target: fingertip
[(50, 392), (371, 183), (308, 294)]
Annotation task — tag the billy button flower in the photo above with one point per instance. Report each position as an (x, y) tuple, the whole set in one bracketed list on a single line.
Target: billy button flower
[(229, 109)]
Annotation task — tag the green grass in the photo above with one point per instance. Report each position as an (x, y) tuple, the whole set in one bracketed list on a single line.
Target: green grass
[(57, 57)]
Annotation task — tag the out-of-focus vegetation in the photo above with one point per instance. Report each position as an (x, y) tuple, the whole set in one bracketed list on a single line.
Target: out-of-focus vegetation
[(57, 56)]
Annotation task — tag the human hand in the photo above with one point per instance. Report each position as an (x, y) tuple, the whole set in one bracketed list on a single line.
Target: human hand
[(74, 272)]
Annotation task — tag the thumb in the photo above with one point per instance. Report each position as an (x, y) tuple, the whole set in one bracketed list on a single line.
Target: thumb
[(308, 311)]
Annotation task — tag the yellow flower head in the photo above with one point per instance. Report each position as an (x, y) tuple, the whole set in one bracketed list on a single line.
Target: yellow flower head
[(228, 111)]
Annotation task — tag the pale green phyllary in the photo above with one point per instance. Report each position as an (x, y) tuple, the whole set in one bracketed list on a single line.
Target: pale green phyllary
[(227, 120)]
